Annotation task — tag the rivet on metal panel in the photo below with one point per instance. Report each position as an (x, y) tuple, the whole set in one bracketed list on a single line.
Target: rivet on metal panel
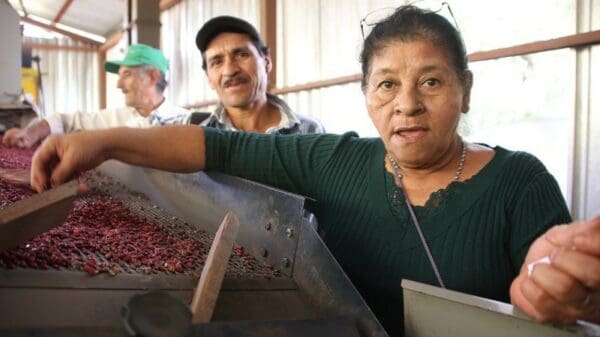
[(264, 252), (268, 226), (289, 232), (286, 262)]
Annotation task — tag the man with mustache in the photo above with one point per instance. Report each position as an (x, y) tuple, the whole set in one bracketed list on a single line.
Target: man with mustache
[(142, 81), (237, 64)]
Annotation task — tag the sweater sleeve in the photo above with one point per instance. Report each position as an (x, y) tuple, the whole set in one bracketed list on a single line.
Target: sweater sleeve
[(539, 206), (296, 163), (108, 118), (81, 121)]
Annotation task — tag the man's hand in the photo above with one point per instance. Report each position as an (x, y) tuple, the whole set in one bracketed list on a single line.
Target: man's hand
[(565, 287), (16, 176), (19, 138), (60, 158)]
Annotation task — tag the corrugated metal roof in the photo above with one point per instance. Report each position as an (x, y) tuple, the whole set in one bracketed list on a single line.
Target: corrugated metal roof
[(100, 17)]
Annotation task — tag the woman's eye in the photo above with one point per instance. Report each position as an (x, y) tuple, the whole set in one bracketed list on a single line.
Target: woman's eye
[(386, 85)]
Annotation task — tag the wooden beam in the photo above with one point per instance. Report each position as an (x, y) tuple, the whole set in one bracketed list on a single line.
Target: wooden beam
[(268, 30), (166, 4), (571, 41), (318, 84), (111, 41), (61, 12), (101, 80), (43, 46), (60, 31)]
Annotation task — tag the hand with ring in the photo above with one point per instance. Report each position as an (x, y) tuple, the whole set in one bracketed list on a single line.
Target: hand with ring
[(560, 279)]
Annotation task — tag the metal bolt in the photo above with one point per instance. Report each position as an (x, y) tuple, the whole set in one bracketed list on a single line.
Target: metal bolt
[(286, 262), (264, 252), (289, 232), (268, 226)]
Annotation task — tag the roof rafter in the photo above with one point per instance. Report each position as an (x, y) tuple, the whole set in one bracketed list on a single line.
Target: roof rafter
[(60, 31), (61, 12)]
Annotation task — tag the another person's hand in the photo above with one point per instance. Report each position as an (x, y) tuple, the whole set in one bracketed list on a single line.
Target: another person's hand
[(16, 176), (60, 158), (19, 138), (560, 279)]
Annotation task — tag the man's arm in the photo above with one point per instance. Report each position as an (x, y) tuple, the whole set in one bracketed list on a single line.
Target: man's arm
[(27, 137), (178, 148)]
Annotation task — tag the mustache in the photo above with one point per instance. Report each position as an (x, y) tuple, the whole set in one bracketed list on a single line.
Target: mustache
[(234, 80)]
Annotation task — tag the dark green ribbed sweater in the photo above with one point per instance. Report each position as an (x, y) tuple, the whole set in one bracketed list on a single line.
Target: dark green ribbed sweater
[(478, 231)]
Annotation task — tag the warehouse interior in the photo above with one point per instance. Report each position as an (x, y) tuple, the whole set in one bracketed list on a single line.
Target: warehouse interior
[(535, 67)]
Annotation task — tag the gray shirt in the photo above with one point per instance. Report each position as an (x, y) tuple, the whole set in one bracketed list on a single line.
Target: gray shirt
[(290, 123)]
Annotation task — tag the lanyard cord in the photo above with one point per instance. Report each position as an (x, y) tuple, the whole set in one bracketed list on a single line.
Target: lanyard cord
[(422, 237), (416, 222)]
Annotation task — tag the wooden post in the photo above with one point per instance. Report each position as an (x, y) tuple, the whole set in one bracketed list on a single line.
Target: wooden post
[(268, 30)]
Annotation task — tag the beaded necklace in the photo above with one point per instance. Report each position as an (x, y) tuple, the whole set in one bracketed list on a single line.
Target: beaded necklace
[(461, 164)]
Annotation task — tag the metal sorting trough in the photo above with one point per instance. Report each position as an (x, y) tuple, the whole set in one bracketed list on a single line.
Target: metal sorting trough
[(311, 297), (431, 311)]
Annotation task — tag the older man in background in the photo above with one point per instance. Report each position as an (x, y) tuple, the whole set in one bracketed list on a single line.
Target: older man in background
[(237, 64), (142, 81)]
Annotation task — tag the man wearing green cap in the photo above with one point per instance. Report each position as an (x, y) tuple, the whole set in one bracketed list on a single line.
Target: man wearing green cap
[(142, 81)]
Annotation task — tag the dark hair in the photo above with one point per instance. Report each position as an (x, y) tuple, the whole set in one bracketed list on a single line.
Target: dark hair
[(260, 46), (162, 83), (410, 23)]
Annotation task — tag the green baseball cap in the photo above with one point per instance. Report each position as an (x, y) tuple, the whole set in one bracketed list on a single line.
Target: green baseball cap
[(138, 55)]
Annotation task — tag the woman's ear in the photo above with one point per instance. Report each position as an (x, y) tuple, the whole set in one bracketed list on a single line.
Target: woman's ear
[(468, 85)]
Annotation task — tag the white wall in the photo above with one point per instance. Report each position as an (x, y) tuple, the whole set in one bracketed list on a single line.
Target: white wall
[(10, 54)]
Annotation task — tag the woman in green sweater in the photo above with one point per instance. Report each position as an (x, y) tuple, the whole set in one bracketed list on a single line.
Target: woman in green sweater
[(418, 203)]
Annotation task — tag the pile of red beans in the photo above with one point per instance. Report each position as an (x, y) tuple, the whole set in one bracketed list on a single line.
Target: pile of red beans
[(102, 235)]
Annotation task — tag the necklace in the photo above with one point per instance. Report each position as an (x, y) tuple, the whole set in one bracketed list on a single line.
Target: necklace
[(459, 169)]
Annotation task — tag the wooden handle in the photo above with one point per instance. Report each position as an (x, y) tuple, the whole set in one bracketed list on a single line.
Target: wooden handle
[(27, 218), (207, 291)]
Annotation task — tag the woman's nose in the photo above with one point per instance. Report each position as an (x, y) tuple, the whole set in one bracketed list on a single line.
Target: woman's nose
[(408, 101)]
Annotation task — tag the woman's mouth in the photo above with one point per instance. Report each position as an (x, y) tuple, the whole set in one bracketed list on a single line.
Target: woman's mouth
[(410, 133)]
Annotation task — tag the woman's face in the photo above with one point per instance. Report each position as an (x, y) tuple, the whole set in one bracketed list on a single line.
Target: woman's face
[(415, 98)]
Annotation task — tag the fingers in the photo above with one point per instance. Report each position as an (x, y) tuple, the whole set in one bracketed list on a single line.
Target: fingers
[(41, 164), (59, 158), (62, 171), (585, 268), (561, 235), (587, 237), (563, 288), (583, 236), (10, 137), (543, 307)]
